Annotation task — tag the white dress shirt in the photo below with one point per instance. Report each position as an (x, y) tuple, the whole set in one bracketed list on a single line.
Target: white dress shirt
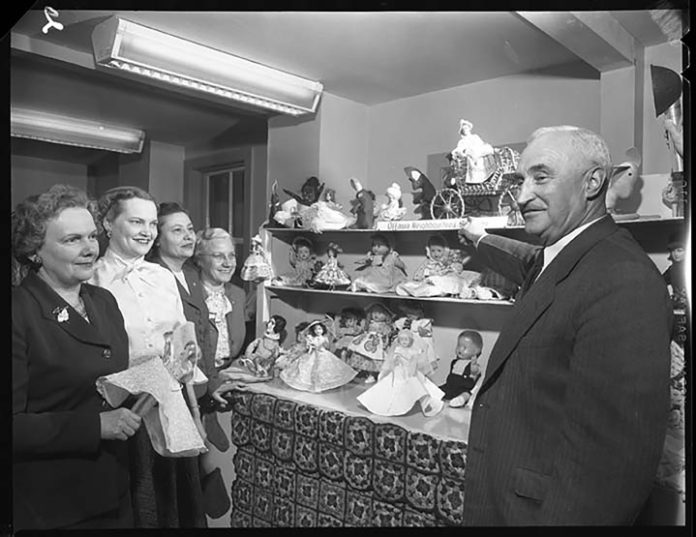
[(147, 296)]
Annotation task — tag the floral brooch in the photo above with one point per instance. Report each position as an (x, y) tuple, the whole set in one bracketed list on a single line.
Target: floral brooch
[(61, 314)]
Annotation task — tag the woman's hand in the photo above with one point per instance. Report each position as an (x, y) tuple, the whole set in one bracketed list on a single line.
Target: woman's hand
[(225, 387), (119, 424)]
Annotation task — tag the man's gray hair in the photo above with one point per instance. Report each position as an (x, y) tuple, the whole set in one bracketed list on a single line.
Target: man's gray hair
[(589, 143)]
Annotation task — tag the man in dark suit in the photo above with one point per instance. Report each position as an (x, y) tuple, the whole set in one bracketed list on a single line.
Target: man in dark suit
[(569, 422)]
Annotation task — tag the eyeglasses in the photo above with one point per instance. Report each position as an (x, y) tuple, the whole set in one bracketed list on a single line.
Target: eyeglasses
[(222, 257)]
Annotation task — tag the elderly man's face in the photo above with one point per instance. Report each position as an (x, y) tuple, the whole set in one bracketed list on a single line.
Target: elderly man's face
[(552, 197)]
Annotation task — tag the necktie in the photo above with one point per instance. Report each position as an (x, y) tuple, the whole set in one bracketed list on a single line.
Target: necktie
[(534, 270)]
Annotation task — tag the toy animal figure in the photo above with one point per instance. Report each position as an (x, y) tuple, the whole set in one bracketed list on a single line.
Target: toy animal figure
[(363, 206), (423, 191), (393, 209), (623, 181)]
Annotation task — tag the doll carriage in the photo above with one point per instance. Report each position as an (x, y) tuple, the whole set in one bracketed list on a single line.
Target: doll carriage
[(495, 196)]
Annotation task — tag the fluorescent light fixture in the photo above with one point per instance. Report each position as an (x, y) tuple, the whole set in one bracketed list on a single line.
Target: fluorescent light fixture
[(48, 127), (141, 51)]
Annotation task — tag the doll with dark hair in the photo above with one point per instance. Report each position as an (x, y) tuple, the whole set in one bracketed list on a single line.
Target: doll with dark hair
[(350, 323), (303, 262), (464, 369), (331, 275), (675, 275), (261, 354), (317, 369), (382, 268), (368, 349)]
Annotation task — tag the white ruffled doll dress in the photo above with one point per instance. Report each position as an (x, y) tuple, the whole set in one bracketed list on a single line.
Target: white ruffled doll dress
[(331, 276), (256, 267), (317, 369), (403, 382), (381, 275)]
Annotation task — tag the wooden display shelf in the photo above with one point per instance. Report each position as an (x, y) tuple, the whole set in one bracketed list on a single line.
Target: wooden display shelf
[(303, 290)]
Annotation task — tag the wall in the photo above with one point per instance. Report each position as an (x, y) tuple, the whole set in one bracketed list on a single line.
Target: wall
[(31, 175), (504, 110), (166, 182)]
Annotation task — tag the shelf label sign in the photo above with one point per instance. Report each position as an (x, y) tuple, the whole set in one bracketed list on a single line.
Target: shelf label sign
[(436, 225)]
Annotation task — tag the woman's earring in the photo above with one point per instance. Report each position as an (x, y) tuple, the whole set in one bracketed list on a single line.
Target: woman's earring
[(37, 260), (108, 233)]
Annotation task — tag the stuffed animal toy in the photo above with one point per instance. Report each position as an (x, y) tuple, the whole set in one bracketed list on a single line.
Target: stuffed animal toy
[(423, 192)]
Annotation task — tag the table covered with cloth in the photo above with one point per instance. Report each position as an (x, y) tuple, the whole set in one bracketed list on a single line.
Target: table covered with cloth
[(321, 460)]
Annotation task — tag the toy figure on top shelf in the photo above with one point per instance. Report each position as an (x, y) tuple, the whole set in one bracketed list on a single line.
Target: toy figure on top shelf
[(464, 369), (331, 275), (402, 381), (622, 183), (363, 206), (317, 369), (423, 192), (290, 213), (348, 324), (414, 319), (303, 262), (382, 266), (256, 267), (274, 205), (675, 275), (394, 208), (367, 350), (440, 274), (471, 149), (260, 355), (325, 214)]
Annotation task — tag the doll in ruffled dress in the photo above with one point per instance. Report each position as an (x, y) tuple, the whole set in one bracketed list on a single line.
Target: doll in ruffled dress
[(297, 349), (382, 268), (256, 267), (440, 274), (350, 323), (326, 214), (403, 381), (368, 349), (261, 354), (394, 208), (472, 149), (317, 369), (413, 319), (303, 262), (331, 275)]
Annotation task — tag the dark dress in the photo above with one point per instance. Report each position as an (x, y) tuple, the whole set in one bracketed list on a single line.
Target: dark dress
[(455, 384), (64, 474)]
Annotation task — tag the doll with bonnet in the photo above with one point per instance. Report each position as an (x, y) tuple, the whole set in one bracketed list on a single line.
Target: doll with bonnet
[(394, 208), (256, 267)]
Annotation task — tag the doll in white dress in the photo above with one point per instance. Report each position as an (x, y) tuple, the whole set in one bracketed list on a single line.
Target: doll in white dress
[(317, 369), (326, 214), (303, 262), (382, 268), (473, 150), (331, 275), (368, 349), (394, 208), (403, 381), (413, 318), (256, 267)]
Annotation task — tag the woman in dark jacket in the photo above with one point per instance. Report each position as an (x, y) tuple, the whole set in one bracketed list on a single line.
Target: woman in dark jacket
[(70, 459)]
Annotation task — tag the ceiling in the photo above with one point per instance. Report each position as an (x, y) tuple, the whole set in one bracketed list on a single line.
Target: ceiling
[(367, 57)]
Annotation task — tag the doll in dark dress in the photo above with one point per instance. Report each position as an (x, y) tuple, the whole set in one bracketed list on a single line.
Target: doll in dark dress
[(464, 369)]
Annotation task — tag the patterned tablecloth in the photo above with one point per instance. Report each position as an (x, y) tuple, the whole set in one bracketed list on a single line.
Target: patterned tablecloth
[(300, 465)]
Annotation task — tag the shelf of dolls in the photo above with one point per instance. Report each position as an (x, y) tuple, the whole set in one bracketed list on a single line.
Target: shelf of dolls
[(388, 296)]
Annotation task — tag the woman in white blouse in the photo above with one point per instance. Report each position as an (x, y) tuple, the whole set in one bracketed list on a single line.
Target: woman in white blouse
[(149, 300)]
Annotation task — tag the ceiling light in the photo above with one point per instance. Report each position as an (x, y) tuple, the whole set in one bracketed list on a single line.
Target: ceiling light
[(132, 48), (48, 127)]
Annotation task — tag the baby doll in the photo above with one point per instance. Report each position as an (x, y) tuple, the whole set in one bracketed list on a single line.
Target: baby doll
[(383, 269), (317, 369), (367, 350), (441, 273), (403, 382), (464, 369), (350, 324), (331, 275), (261, 354), (413, 319), (394, 208), (303, 263), (256, 267)]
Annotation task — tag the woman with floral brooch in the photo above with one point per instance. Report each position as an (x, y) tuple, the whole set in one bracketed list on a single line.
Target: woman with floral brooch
[(70, 457)]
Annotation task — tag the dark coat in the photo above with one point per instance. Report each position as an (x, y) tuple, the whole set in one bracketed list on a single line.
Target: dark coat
[(569, 423), (62, 471)]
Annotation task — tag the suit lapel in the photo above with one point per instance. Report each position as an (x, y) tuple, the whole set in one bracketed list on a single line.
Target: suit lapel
[(53, 306), (189, 298), (541, 294)]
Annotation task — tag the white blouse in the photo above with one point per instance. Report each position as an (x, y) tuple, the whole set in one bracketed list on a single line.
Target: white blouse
[(147, 296)]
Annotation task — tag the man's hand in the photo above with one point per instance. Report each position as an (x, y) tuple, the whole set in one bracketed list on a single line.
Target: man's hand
[(470, 231)]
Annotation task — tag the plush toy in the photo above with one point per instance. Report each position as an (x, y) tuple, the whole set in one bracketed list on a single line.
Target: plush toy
[(423, 192), (363, 206), (317, 369)]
